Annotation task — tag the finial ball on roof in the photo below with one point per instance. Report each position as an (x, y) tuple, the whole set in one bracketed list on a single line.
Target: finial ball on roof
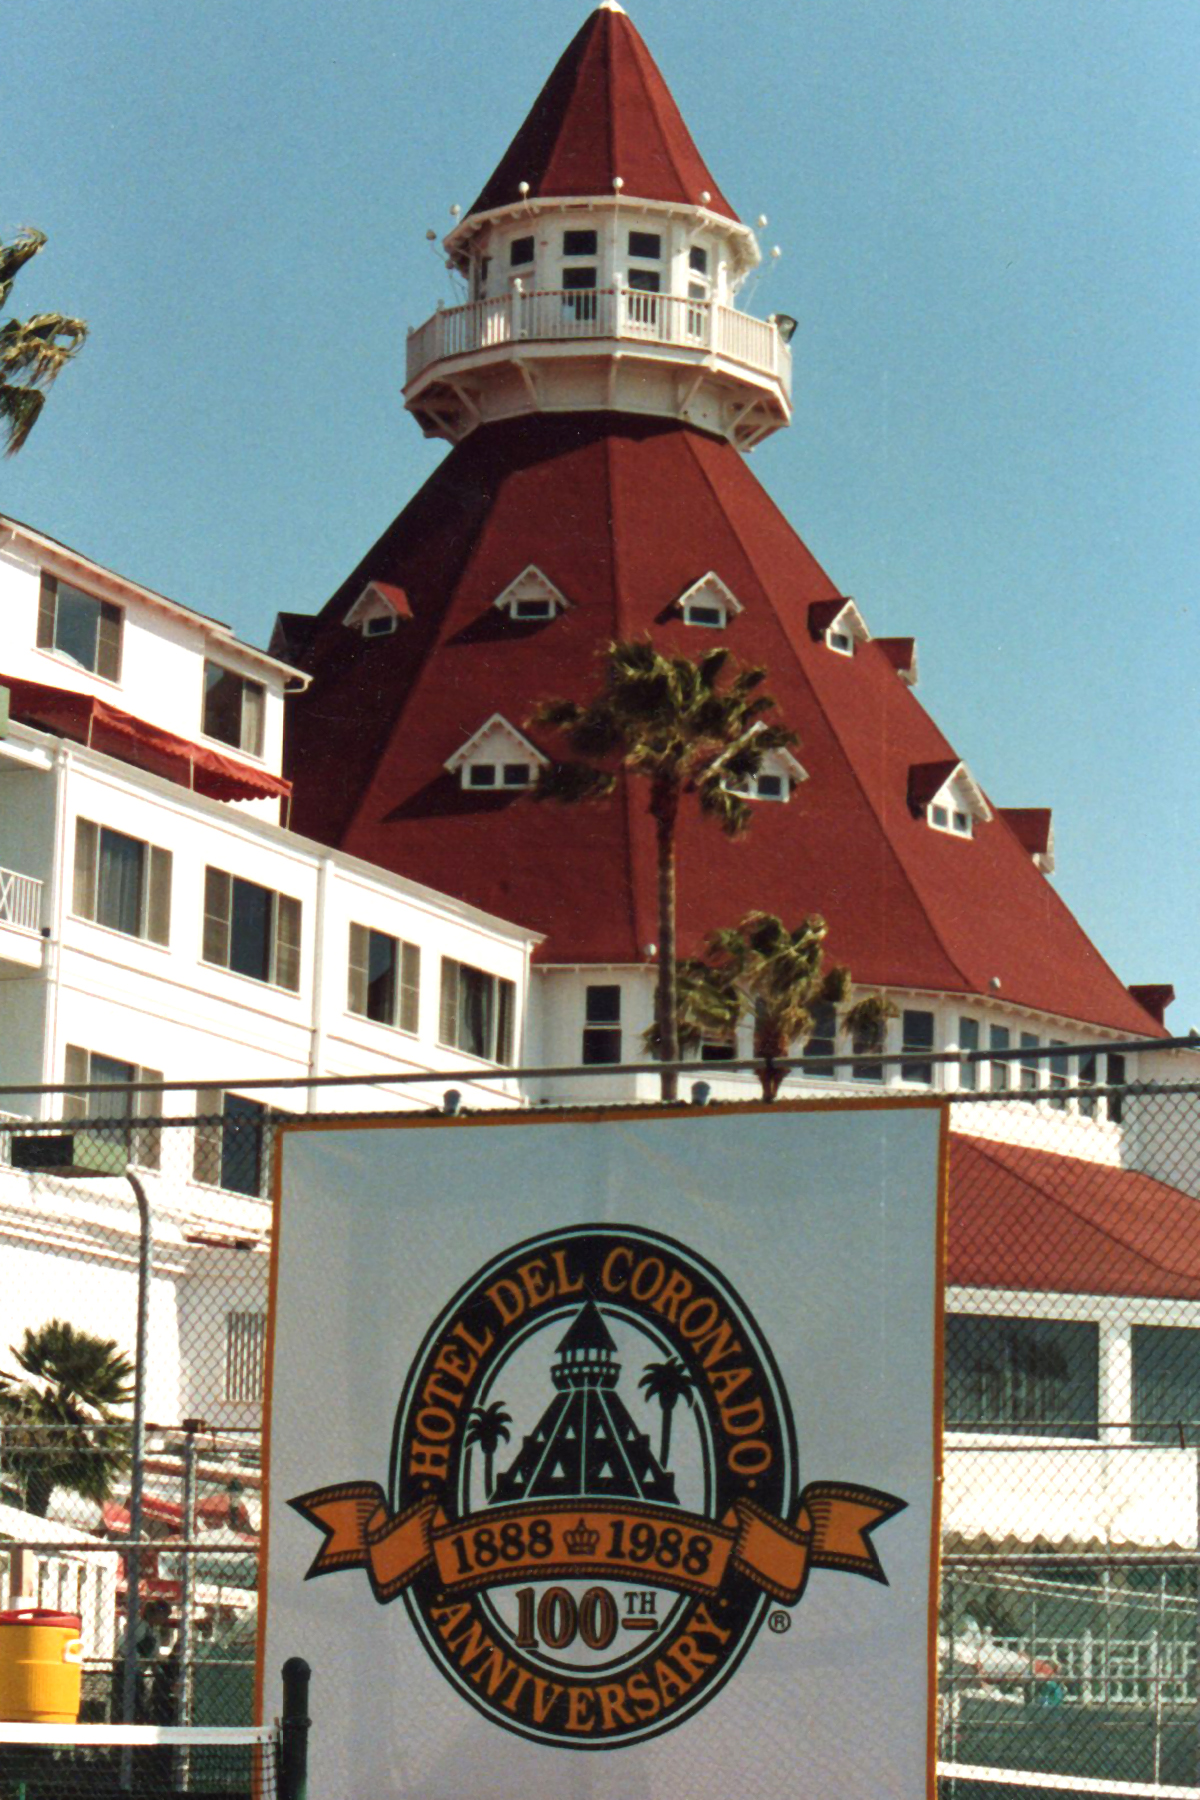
[(522, 188), (705, 197), (618, 183)]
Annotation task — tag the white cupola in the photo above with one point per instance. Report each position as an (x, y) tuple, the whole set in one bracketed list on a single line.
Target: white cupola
[(602, 266)]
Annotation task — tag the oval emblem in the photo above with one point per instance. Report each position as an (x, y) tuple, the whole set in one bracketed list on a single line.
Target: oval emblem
[(592, 1501)]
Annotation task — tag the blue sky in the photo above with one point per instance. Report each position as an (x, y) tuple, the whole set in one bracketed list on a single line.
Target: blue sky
[(988, 221)]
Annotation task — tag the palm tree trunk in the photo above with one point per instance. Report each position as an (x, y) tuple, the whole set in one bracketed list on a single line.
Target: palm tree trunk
[(664, 805), (664, 1454)]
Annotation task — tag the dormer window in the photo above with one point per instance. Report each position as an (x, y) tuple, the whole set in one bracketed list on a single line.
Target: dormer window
[(708, 602), (948, 796), (497, 759), (778, 774), (840, 624), (378, 609), (531, 597)]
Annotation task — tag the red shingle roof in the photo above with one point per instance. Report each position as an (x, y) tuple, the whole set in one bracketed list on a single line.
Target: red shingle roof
[(623, 515), (1021, 1218), (605, 111)]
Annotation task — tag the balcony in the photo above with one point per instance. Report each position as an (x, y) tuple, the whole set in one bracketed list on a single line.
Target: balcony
[(547, 334), (20, 920)]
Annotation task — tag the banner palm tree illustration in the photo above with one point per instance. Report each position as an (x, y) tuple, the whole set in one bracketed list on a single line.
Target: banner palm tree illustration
[(667, 1382), (487, 1429)]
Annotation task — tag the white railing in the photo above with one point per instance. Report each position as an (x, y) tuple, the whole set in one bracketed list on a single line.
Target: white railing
[(547, 316), (20, 900)]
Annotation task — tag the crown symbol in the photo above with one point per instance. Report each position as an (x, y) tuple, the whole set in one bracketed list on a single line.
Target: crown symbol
[(580, 1541)]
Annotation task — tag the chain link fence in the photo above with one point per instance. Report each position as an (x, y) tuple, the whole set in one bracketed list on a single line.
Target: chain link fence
[(1070, 1610)]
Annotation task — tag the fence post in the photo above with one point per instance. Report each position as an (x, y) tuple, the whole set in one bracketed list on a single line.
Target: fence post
[(293, 1747)]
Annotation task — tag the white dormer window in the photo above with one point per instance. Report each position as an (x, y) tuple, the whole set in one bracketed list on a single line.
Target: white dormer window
[(531, 597), (708, 602), (378, 609), (497, 759), (847, 630), (778, 774), (949, 797)]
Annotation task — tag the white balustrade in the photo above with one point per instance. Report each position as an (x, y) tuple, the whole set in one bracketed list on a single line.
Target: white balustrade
[(555, 315), (20, 901)]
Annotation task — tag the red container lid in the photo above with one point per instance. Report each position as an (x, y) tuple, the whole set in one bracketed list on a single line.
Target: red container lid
[(39, 1615)]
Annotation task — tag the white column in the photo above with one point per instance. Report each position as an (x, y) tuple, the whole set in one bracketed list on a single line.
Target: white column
[(1116, 1383)]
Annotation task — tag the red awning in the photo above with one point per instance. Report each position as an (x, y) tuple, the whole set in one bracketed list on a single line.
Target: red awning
[(87, 719)]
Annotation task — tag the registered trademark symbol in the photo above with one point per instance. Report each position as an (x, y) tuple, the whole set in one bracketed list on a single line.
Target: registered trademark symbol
[(780, 1621)]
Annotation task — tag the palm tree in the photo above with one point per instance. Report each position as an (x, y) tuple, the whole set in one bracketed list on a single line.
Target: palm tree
[(680, 727), (33, 352), (776, 975), (59, 1425), (667, 1382), (487, 1426)]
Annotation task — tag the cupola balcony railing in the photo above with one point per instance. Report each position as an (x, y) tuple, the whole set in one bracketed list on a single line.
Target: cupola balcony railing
[(626, 314)]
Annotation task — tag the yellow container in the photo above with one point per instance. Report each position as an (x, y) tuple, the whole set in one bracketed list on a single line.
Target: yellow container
[(41, 1667)]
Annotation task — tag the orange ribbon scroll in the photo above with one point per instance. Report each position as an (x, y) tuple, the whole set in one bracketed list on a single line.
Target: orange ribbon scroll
[(647, 1544)]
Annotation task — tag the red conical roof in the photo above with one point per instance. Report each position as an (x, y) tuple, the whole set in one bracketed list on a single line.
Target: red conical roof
[(605, 112), (623, 515)]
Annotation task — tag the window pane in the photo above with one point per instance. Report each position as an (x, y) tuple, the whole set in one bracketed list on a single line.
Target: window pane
[(506, 1011), (381, 978), (145, 1143), (206, 1147), (1031, 1076), (115, 1105), (241, 1145), (520, 251), (254, 706), (603, 1005), (1087, 1078), (1166, 1384), (83, 897), (286, 973), (158, 922), (47, 607), (1116, 1076), (75, 1074), (821, 1042), (647, 244), (1060, 1071), (218, 888), (1039, 1377), (119, 884), (601, 1044), (968, 1039), (77, 626), (999, 1038), (644, 281), (222, 705), (575, 279), (698, 260), (579, 243), (448, 1019), (356, 993), (108, 642), (474, 1011), (410, 987), (250, 931), (918, 1035)]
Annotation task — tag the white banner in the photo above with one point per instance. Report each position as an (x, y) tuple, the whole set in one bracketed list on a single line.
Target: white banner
[(610, 1433)]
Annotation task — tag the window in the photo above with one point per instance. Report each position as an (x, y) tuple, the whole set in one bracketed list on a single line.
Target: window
[(822, 1040), (245, 1355), (1087, 1078), (1031, 1071), (1000, 1038), (379, 625), (477, 1012), (532, 609), (141, 1142), (645, 244), (917, 1036), (579, 243), (1116, 1075), (1039, 1377), (85, 630), (940, 817), (868, 1038), (714, 1049), (708, 602), (499, 775), (122, 882), (1060, 1075), (251, 930), (230, 1143), (520, 251), (531, 596), (696, 614), (960, 822), (645, 281), (698, 260), (385, 978), (1166, 1384), (580, 296), (968, 1040), (234, 709), (602, 1025), (946, 818), (841, 641)]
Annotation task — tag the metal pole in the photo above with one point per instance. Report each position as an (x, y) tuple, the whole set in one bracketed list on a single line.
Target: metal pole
[(1196, 1632), (133, 1556), (187, 1586), (293, 1748)]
